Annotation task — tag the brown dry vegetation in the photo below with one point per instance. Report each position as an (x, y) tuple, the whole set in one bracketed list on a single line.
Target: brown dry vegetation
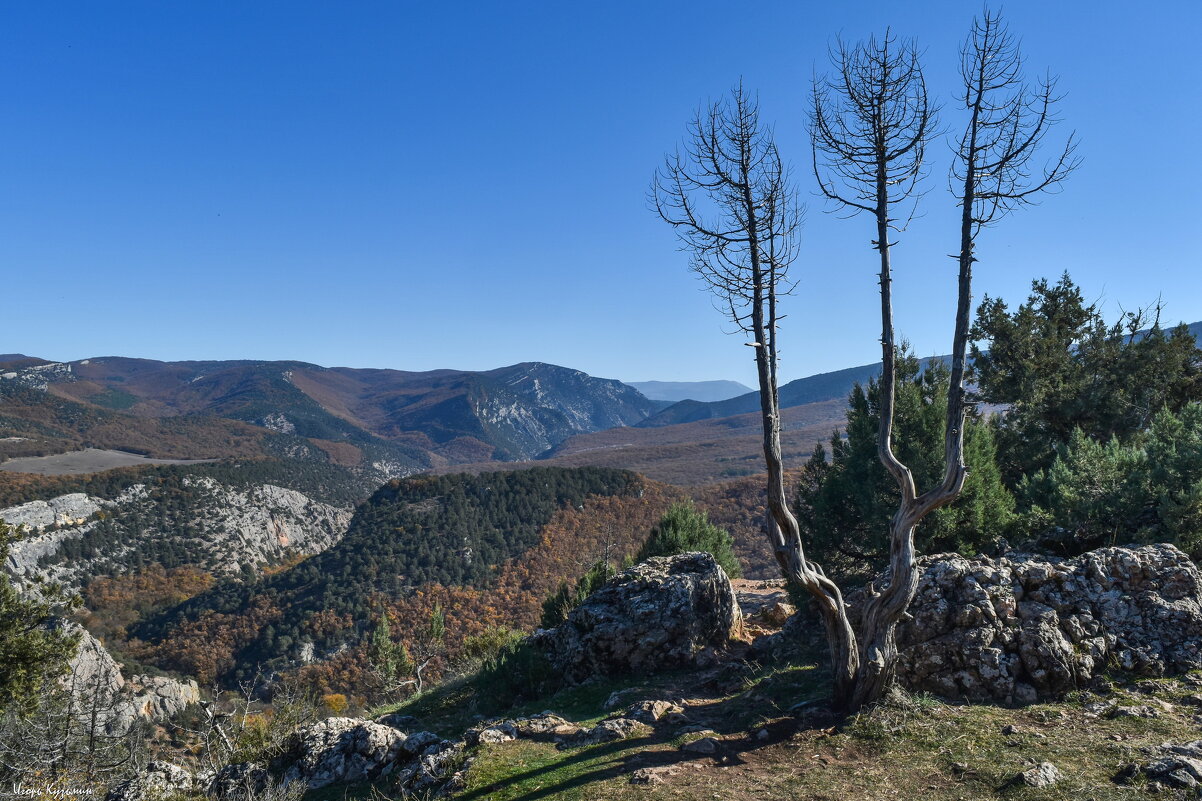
[(117, 602), (65, 426), (204, 648)]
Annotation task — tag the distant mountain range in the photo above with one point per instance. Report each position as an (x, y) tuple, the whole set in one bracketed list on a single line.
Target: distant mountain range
[(398, 422), (388, 423), (812, 389), (689, 390)]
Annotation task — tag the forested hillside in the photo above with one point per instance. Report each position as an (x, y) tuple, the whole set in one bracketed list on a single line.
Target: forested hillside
[(447, 530)]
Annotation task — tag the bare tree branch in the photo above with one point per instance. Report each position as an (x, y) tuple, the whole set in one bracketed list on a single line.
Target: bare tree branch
[(730, 198)]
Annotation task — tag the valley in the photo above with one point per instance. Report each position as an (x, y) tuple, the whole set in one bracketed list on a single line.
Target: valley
[(226, 524), (213, 556)]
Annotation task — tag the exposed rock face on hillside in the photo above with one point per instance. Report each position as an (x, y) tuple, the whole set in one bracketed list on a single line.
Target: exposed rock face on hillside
[(228, 529), (1019, 628), (95, 679), (263, 523), (40, 376), (65, 510), (92, 668), (667, 612)]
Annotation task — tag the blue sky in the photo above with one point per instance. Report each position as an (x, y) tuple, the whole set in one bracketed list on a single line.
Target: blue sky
[(423, 185)]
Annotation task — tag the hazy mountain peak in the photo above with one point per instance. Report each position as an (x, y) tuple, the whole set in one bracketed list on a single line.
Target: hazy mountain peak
[(705, 391)]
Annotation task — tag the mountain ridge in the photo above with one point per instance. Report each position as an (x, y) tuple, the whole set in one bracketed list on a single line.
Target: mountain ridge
[(672, 391), (407, 421), (810, 389)]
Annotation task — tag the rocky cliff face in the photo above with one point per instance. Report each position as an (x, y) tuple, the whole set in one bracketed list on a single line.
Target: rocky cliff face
[(226, 529), (39, 376), (95, 680)]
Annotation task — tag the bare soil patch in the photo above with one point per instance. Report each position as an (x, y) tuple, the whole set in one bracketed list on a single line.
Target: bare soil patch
[(89, 460)]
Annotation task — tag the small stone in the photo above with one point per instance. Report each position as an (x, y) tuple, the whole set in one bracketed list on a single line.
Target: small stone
[(652, 711), (1045, 774), (645, 776), (777, 614), (493, 736), (706, 745), (1009, 729), (1099, 708), (762, 735)]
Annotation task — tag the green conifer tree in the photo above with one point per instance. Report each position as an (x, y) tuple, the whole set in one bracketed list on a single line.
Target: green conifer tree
[(31, 651), (846, 497), (685, 528)]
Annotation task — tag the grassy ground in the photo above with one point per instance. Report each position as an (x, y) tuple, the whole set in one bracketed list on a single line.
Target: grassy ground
[(909, 748), (776, 741)]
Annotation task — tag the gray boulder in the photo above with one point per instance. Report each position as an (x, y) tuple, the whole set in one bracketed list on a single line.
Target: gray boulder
[(544, 726), (342, 750), (1045, 774), (439, 769), (161, 697), (667, 612), (1175, 765), (607, 731), (1020, 627), (242, 781), (156, 780), (417, 742), (653, 711)]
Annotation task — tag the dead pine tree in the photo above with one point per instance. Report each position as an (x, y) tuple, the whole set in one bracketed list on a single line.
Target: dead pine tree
[(728, 195), (870, 123), (993, 172)]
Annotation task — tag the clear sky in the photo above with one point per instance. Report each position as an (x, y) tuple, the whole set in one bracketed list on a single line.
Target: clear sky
[(462, 184)]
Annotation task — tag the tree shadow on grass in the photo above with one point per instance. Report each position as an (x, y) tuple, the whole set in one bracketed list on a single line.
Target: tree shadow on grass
[(624, 757)]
